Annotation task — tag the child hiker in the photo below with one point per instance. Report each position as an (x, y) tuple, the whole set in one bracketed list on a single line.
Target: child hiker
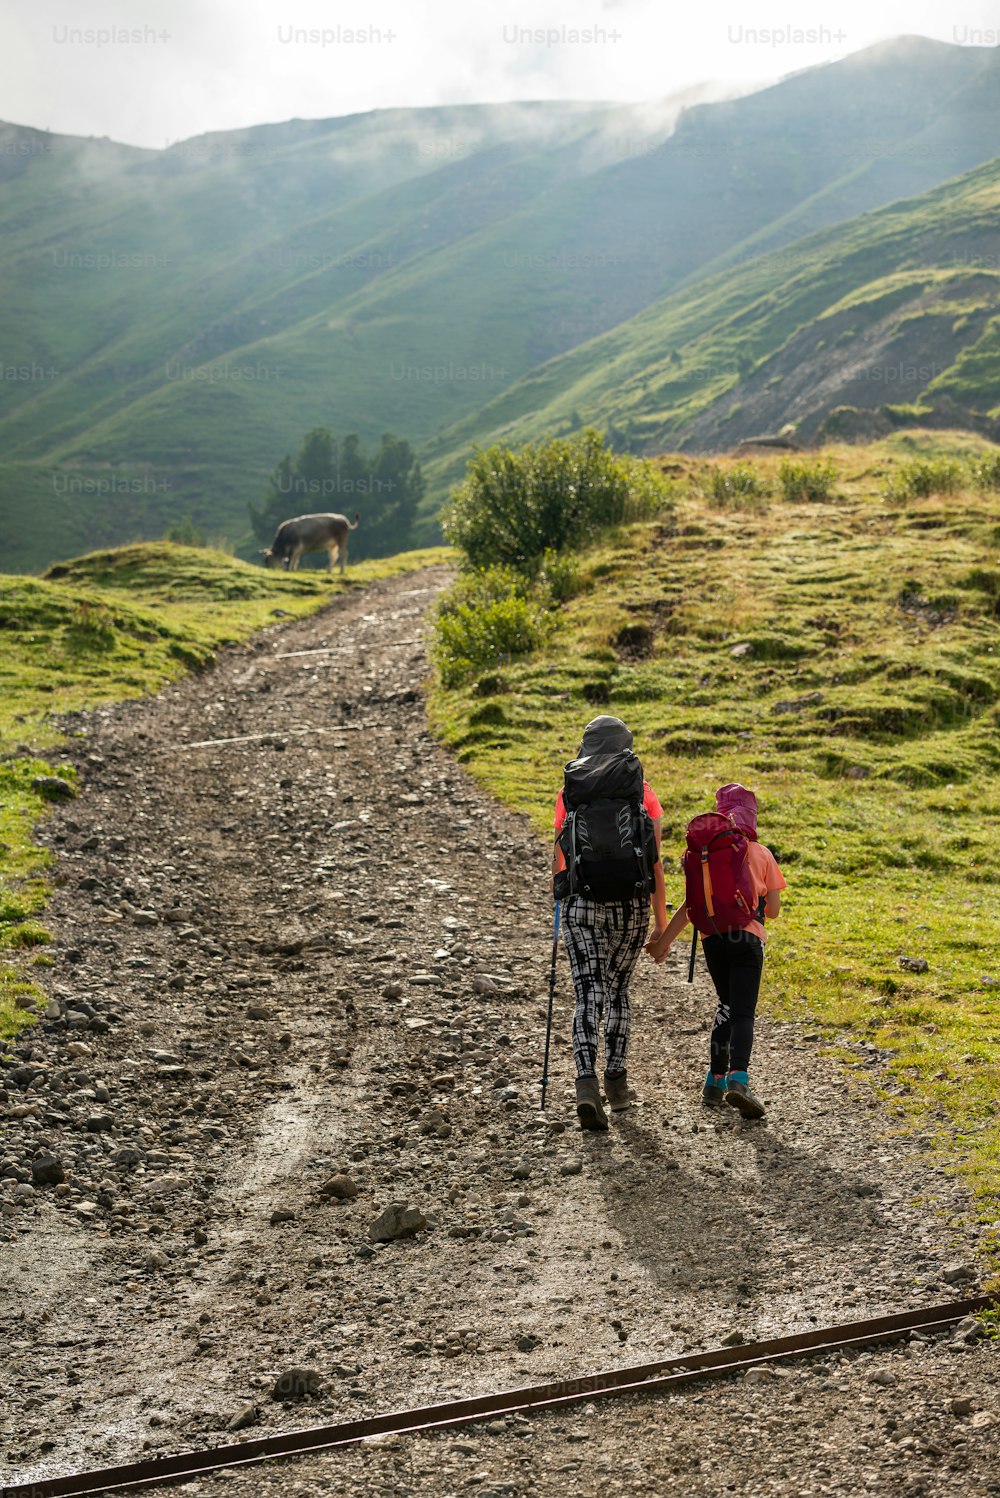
[(606, 870), (732, 883)]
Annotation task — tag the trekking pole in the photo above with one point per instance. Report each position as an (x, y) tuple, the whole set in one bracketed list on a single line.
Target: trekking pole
[(694, 953), (552, 993)]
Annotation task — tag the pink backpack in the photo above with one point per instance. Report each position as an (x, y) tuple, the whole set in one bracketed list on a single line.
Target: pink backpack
[(719, 887)]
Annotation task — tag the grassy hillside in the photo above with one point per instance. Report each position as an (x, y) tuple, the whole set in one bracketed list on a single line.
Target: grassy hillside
[(111, 625), (178, 319), (185, 315), (899, 306), (842, 658)]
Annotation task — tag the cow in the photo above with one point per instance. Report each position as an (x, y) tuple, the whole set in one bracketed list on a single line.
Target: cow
[(310, 533)]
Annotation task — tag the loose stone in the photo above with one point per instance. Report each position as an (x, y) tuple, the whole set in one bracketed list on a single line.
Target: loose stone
[(397, 1221)]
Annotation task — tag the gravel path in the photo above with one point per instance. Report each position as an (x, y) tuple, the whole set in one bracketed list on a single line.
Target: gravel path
[(289, 965)]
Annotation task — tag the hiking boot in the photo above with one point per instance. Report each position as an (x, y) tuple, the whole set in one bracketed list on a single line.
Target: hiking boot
[(588, 1103), (713, 1094), (739, 1096), (617, 1091)]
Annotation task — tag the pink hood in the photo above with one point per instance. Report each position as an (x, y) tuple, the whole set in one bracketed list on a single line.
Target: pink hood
[(737, 802)]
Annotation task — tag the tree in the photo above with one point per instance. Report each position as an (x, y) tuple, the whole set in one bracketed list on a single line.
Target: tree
[(385, 489), (185, 533), (398, 481), (316, 465), (277, 505)]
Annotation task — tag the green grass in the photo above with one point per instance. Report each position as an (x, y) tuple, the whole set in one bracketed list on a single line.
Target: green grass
[(867, 720), (111, 625)]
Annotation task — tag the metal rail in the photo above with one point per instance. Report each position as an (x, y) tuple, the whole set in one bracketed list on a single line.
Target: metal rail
[(640, 1379)]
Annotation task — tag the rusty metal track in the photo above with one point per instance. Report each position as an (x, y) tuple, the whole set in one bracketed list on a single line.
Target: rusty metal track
[(641, 1379)]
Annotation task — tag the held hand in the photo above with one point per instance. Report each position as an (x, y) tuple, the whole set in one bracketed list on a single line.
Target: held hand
[(657, 947)]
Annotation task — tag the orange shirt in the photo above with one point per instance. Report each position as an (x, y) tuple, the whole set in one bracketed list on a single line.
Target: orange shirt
[(766, 876), (649, 800)]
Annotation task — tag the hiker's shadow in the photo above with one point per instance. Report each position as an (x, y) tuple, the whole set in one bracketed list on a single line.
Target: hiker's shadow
[(821, 1204), (704, 1221)]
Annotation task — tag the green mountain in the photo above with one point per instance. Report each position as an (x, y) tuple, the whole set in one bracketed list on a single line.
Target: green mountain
[(173, 321), (897, 308)]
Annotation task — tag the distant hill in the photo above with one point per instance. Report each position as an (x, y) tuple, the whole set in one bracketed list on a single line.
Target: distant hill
[(899, 307), (171, 322)]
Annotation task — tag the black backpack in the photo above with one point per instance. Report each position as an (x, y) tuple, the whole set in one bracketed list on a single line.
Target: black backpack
[(608, 839)]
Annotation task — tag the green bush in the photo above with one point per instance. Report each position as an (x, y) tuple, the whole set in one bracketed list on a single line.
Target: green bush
[(482, 586), (986, 472), (560, 576), (736, 488), (185, 533), (806, 480), (91, 629), (487, 617), (514, 506), (923, 477)]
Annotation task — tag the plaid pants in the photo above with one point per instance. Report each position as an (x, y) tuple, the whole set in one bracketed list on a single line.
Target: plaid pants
[(603, 942)]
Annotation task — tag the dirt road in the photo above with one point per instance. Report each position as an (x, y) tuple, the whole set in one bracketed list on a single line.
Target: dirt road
[(295, 942)]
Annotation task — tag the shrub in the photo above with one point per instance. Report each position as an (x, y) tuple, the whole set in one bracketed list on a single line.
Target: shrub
[(514, 506), (736, 488), (807, 480), (925, 476), (91, 627), (487, 617), (482, 586), (184, 532), (986, 472), (560, 576)]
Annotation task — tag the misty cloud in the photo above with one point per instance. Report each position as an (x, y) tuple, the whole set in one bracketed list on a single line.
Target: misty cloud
[(149, 72)]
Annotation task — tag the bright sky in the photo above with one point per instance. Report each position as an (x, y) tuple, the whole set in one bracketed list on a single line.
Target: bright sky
[(154, 71)]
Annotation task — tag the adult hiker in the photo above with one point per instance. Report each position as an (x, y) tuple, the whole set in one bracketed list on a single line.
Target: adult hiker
[(732, 883), (606, 871)]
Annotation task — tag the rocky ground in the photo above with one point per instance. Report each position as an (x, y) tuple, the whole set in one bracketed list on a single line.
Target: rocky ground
[(282, 1114)]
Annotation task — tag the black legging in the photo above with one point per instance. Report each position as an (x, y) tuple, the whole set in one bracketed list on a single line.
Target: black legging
[(735, 961)]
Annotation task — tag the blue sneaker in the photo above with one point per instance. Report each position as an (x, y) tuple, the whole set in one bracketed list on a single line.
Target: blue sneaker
[(739, 1096), (713, 1094)]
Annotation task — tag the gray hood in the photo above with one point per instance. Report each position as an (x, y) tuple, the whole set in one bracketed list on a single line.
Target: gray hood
[(605, 735)]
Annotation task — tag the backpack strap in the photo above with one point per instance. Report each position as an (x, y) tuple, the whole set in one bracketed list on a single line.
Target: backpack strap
[(706, 876), (645, 850), (639, 847)]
